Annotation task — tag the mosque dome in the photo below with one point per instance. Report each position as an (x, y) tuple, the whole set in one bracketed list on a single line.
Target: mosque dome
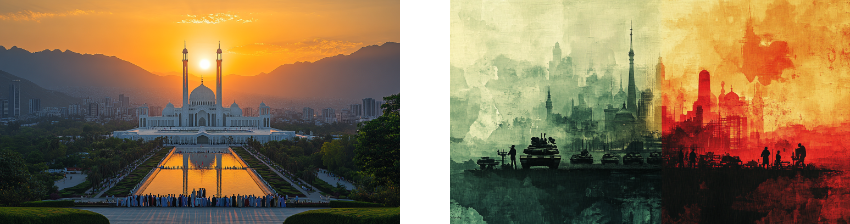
[(235, 110), (202, 95), (263, 104), (169, 110), (185, 51), (732, 96)]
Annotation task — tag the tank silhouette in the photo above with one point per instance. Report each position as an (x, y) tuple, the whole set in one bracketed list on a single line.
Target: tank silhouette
[(541, 152), (633, 158), (487, 163), (633, 153), (728, 161), (582, 158), (654, 158), (609, 158)]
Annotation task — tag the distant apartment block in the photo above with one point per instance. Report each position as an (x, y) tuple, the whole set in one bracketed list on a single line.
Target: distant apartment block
[(307, 114), (14, 99), (35, 106)]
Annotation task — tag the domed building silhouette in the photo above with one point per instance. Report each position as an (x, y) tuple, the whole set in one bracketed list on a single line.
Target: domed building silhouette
[(203, 119)]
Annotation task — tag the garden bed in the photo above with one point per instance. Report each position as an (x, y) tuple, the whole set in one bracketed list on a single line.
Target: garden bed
[(278, 183), (122, 189)]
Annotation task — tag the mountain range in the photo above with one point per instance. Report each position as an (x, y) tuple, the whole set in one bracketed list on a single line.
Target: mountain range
[(372, 71)]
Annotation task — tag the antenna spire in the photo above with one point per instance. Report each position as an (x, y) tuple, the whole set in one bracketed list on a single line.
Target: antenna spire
[(630, 35)]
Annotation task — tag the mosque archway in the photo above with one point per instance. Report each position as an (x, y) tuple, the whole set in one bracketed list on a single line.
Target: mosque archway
[(202, 122)]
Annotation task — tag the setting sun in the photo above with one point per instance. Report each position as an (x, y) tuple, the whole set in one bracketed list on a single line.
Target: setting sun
[(205, 64)]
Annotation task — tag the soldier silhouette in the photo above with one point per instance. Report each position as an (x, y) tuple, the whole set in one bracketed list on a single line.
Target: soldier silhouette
[(681, 161), (801, 154), (778, 162), (765, 155), (513, 156), (692, 159)]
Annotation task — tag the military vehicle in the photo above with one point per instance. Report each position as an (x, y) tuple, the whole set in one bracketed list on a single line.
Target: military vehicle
[(610, 159), (728, 161), (541, 153), (654, 158), (582, 158), (752, 164), (633, 158), (486, 163)]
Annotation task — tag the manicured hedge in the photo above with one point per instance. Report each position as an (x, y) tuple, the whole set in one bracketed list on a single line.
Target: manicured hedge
[(347, 215), (354, 204), (50, 216), (78, 190), (307, 204), (278, 183), (125, 185), (63, 203)]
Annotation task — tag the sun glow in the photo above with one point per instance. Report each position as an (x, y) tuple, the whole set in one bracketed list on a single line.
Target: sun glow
[(205, 64)]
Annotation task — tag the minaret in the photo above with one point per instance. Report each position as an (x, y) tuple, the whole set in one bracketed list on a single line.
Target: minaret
[(184, 119), (218, 114), (548, 105), (632, 88)]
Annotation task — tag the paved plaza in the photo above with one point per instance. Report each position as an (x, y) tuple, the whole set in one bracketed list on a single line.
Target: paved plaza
[(333, 180), (71, 179), (196, 215)]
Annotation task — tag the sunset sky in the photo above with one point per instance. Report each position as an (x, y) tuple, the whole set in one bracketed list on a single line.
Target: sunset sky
[(709, 35), (256, 36)]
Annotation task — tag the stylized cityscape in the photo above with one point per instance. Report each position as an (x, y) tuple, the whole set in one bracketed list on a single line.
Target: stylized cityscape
[(740, 116), (319, 141)]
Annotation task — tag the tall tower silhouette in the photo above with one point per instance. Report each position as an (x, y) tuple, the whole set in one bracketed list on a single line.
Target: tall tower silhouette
[(218, 120), (630, 104), (184, 121), (548, 104)]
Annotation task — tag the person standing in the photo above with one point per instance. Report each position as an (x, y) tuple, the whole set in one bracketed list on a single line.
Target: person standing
[(692, 159), (765, 155), (513, 156), (778, 162), (801, 154), (681, 156)]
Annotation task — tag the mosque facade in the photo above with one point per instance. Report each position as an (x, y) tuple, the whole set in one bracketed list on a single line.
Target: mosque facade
[(203, 119)]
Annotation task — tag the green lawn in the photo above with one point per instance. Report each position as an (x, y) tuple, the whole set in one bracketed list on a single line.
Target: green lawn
[(278, 183), (123, 188), (347, 215), (34, 215)]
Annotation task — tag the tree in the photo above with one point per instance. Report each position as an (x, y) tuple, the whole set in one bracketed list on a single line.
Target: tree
[(333, 155), (378, 143), (18, 184)]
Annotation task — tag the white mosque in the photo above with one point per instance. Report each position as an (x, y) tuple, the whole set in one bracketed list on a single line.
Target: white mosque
[(203, 119)]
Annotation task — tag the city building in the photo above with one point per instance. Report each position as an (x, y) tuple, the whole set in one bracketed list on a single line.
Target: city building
[(14, 99), (307, 114), (328, 115), (35, 106), (203, 119)]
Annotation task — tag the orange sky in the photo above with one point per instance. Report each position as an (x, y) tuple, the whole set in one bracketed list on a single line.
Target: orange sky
[(814, 90), (256, 36)]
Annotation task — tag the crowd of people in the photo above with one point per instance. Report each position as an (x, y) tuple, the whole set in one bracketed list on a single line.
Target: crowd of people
[(199, 199)]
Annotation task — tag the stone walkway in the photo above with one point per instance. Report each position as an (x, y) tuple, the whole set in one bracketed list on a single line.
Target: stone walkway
[(333, 180), (70, 182), (196, 215)]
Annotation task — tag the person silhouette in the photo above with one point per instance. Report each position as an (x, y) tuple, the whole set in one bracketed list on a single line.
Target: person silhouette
[(765, 155), (801, 154), (513, 156), (778, 162), (692, 159)]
